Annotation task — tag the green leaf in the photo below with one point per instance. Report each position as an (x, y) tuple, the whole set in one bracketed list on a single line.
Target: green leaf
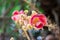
[(1, 31), (29, 1), (17, 7), (0, 10), (9, 30), (16, 2), (38, 4), (1, 0), (26, 6), (11, 21), (41, 10)]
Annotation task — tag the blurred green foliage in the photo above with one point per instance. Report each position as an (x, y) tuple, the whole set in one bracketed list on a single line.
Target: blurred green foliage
[(17, 7), (1, 31), (38, 5)]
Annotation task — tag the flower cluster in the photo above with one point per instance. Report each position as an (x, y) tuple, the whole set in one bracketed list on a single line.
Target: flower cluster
[(35, 20)]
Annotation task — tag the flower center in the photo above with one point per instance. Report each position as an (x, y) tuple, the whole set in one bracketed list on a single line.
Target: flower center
[(35, 20)]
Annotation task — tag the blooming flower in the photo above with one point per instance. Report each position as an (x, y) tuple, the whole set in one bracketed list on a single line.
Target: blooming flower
[(16, 15), (38, 20)]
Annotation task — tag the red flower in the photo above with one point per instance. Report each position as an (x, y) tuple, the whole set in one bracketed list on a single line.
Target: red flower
[(16, 12), (38, 20), (39, 25), (43, 19)]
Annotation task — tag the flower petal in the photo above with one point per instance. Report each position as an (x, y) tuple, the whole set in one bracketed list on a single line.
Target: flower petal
[(15, 17), (21, 12), (16, 12), (43, 19), (39, 25)]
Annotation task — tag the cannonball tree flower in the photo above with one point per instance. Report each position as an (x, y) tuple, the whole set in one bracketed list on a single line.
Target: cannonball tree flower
[(38, 20), (16, 15), (16, 12)]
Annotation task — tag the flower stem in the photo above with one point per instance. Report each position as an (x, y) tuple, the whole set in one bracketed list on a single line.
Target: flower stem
[(26, 34)]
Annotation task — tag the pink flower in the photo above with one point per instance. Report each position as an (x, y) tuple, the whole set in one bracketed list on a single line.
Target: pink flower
[(38, 20), (16, 15), (21, 12)]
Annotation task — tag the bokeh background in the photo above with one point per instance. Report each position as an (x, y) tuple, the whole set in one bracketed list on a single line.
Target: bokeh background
[(51, 8)]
